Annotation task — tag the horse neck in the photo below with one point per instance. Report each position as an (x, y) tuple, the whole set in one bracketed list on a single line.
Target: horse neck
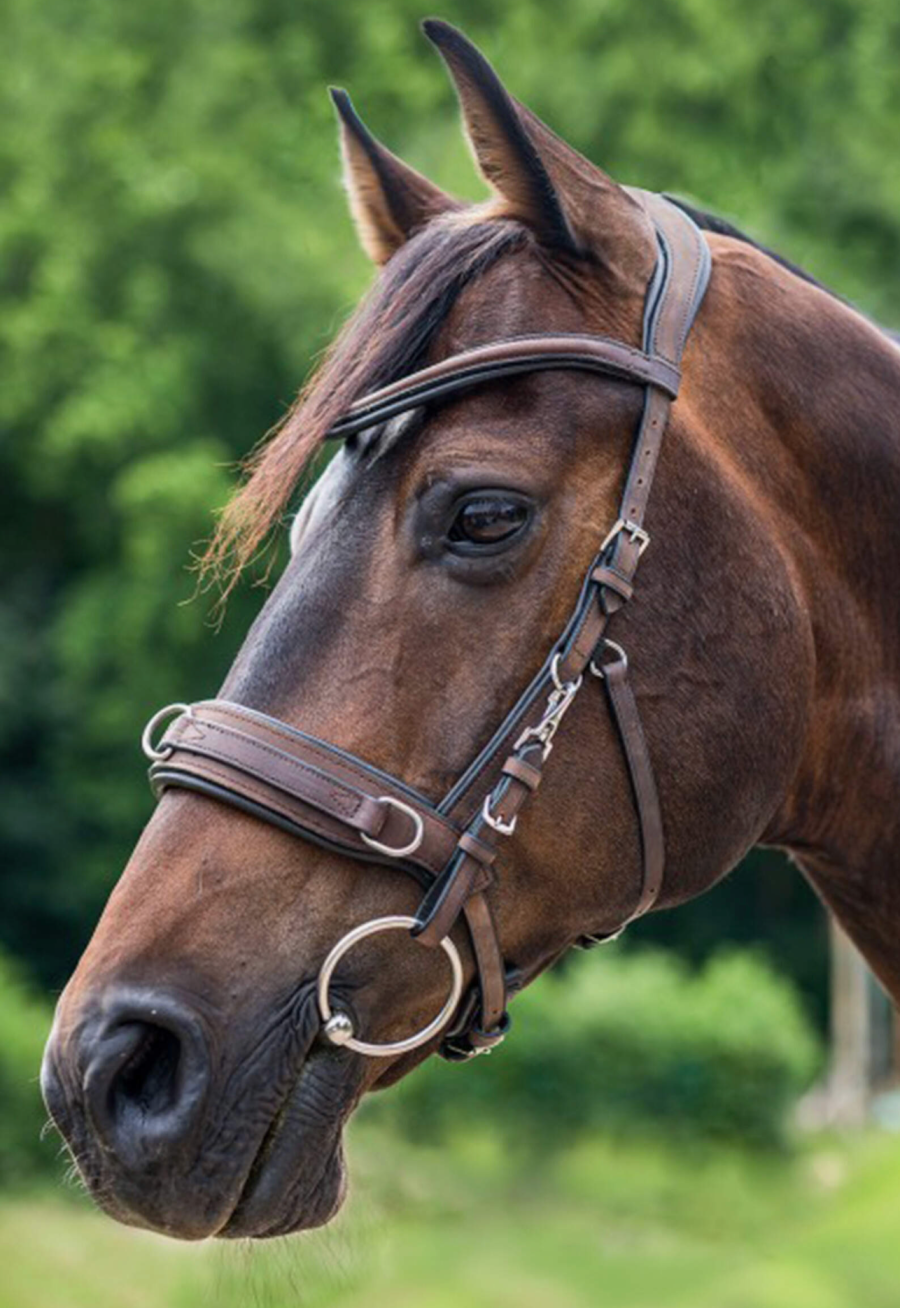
[(827, 469)]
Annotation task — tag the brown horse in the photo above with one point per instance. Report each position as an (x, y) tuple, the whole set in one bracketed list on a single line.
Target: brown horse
[(434, 566)]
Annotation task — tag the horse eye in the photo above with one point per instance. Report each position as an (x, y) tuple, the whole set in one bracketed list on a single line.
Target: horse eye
[(488, 520)]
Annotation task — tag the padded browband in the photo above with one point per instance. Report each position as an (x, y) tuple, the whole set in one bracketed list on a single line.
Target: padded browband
[(509, 358)]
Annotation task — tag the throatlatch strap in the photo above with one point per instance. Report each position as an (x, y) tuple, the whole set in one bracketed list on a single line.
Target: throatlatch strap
[(643, 784)]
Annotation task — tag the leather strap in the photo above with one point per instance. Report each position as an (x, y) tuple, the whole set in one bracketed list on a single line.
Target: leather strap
[(519, 354), (310, 783), (640, 770)]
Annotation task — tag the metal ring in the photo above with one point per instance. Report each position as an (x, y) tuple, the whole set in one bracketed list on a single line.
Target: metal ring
[(403, 850), (597, 669), (147, 735), (562, 686), (341, 1027)]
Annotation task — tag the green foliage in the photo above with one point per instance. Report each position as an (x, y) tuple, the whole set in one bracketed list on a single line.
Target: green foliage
[(174, 248), (24, 1023), (637, 1043)]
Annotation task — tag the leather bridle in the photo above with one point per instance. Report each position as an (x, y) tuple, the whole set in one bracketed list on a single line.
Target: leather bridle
[(317, 791)]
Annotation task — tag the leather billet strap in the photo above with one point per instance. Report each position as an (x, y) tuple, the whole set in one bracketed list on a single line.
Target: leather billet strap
[(640, 770), (324, 794)]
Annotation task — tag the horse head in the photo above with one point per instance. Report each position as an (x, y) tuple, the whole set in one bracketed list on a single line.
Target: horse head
[(444, 571)]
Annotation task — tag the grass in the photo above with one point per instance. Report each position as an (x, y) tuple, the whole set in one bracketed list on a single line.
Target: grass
[(624, 1225)]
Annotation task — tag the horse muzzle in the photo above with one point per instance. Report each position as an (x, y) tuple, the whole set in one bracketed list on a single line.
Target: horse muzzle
[(135, 1091)]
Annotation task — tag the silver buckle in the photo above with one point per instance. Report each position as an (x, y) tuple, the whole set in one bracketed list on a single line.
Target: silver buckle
[(502, 828), (635, 533), (401, 851)]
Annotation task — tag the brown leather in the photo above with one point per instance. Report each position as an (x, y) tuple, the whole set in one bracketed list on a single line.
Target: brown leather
[(306, 781), (491, 1016), (290, 778), (610, 579), (523, 771), (689, 260), (439, 912), (520, 354), (478, 849), (277, 767), (640, 770)]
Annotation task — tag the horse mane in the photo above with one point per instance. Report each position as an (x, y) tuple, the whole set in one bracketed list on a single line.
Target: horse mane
[(386, 338), (710, 222)]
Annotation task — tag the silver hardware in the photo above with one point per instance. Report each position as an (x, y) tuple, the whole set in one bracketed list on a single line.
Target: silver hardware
[(558, 703), (606, 940), (400, 851), (597, 668), (502, 828), (482, 1049), (563, 687), (635, 533), (170, 710), (338, 1028), (341, 1032)]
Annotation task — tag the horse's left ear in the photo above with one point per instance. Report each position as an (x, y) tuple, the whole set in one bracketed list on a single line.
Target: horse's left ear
[(568, 202), (389, 200)]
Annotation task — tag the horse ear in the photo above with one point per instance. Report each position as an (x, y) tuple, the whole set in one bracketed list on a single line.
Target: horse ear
[(567, 201), (389, 200)]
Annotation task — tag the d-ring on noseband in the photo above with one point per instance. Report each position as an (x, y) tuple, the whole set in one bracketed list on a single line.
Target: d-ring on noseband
[(319, 792)]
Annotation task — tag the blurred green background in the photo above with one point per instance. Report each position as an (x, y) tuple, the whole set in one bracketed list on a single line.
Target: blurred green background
[(174, 251)]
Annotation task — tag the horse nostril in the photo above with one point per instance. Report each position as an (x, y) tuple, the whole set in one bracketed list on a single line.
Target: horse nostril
[(148, 1079), (146, 1076)]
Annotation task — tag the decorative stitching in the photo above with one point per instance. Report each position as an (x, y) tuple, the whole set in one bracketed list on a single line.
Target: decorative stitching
[(247, 787), (321, 749), (344, 797)]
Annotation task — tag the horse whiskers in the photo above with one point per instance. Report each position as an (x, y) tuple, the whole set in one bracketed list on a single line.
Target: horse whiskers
[(46, 1129)]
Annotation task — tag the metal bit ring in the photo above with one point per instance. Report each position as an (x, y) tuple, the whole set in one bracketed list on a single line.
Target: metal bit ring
[(338, 1027)]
